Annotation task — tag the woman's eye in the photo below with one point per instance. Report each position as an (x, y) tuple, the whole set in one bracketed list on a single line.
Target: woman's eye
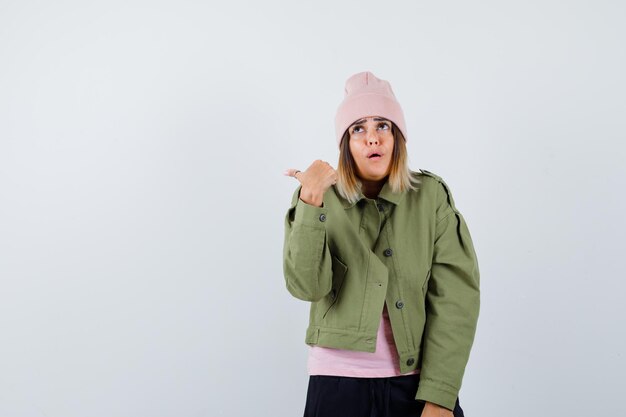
[(383, 125)]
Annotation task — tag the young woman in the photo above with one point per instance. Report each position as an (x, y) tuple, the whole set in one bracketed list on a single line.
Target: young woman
[(387, 262)]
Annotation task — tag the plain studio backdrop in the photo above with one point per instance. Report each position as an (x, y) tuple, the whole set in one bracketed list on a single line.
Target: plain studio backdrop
[(142, 196)]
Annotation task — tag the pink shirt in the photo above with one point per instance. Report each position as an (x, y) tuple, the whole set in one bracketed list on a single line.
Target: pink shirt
[(384, 362)]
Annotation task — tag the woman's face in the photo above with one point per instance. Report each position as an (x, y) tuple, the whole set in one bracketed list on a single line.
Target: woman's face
[(371, 145)]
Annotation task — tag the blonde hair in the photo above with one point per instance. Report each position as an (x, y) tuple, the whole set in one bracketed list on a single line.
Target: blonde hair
[(400, 177)]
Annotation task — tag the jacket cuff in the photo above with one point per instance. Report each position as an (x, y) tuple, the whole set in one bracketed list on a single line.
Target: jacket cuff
[(310, 215), (433, 392)]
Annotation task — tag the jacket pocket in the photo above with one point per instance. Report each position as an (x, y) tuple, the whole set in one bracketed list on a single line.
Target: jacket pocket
[(339, 273)]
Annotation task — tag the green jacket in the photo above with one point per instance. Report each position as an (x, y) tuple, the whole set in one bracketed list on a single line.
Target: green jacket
[(422, 263)]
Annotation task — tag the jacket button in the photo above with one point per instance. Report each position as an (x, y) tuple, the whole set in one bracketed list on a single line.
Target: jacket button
[(410, 361), (399, 304), (322, 217), (333, 293), (388, 252)]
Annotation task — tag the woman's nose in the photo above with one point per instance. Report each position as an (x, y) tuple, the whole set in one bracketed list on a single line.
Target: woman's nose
[(372, 138)]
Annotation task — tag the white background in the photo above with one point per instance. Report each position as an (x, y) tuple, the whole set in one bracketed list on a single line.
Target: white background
[(142, 199)]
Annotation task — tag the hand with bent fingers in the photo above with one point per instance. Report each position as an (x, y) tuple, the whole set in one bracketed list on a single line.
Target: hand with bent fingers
[(435, 410), (317, 178)]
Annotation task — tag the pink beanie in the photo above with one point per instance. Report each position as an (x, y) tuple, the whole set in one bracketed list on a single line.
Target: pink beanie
[(365, 96)]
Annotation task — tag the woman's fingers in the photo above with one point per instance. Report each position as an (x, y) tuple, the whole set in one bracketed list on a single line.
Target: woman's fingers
[(291, 172), (319, 176)]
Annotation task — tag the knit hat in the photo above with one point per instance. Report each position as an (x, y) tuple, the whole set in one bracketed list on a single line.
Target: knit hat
[(365, 96)]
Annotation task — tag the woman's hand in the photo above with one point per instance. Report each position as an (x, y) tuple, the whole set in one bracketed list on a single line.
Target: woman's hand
[(435, 410), (315, 181)]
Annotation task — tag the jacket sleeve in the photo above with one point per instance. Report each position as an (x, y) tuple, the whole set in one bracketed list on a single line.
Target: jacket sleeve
[(452, 306), (307, 262)]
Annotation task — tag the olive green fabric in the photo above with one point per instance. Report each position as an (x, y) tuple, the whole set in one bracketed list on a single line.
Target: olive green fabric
[(411, 250)]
